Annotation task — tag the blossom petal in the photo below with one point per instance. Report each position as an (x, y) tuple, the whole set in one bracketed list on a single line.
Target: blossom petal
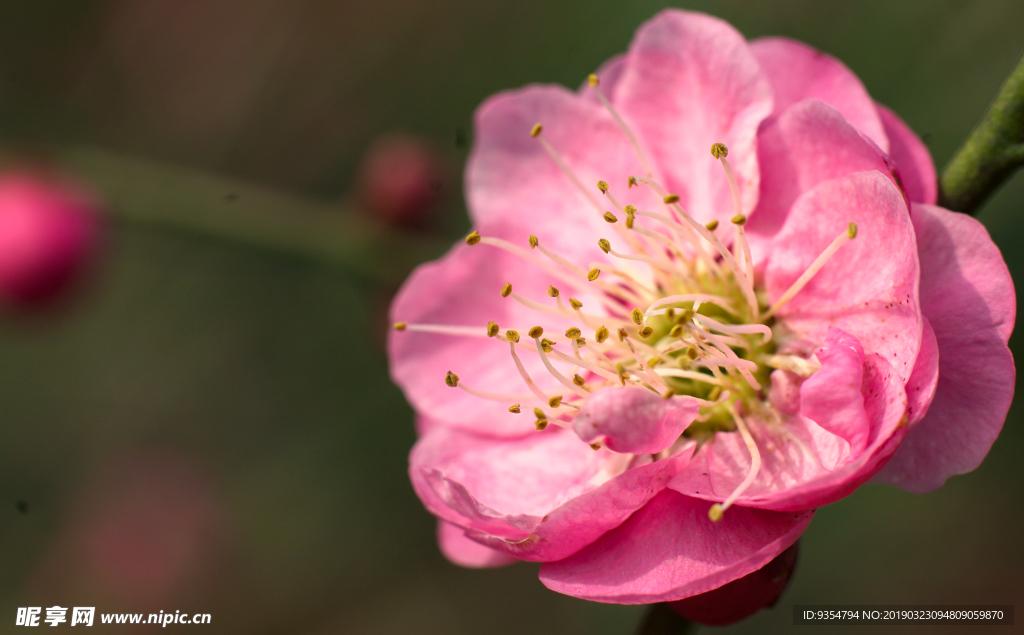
[(968, 296), (690, 81), (513, 183), (541, 497), (465, 552), (634, 420), (797, 72), (670, 550), (832, 396), (463, 288), (917, 171), (925, 377), (810, 142), (869, 288)]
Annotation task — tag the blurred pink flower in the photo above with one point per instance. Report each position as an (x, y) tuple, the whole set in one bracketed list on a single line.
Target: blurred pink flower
[(49, 231), (761, 334), (401, 179)]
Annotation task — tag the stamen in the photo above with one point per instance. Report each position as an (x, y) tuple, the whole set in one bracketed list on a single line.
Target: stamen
[(495, 396), (562, 379), (801, 282), (446, 329), (622, 125), (717, 300), (716, 511), (763, 329), (563, 166), (522, 371), (688, 374), (582, 363), (798, 365)]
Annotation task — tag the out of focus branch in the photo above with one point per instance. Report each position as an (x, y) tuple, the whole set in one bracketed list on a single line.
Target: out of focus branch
[(993, 152), (146, 193)]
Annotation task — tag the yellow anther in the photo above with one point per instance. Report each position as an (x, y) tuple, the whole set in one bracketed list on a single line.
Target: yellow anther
[(739, 219), (492, 329), (637, 315), (451, 379), (623, 334), (715, 393), (851, 231), (629, 220), (535, 130), (581, 342), (691, 352), (670, 313), (572, 332), (654, 361), (601, 334), (604, 245), (537, 412), (608, 216), (592, 80), (646, 332), (631, 182), (555, 401), (595, 446), (630, 209), (671, 198), (512, 336), (715, 512), (541, 423), (593, 274), (534, 241), (712, 225), (546, 344), (536, 331), (677, 331), (553, 291), (685, 315), (576, 379), (515, 409), (669, 394), (719, 151), (473, 238), (575, 304), (400, 326), (601, 185)]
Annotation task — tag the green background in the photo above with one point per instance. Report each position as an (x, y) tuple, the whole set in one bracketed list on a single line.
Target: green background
[(230, 406)]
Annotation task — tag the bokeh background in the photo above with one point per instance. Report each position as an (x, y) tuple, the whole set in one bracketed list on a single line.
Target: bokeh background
[(207, 425)]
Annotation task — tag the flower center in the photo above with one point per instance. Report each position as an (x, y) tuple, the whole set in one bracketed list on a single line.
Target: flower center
[(682, 315)]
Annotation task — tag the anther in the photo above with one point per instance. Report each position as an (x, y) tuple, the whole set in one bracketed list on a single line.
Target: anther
[(555, 401), (691, 352), (601, 334), (671, 198), (553, 292), (535, 130), (576, 379), (851, 230), (595, 446), (592, 80), (575, 304), (473, 238), (601, 185), (739, 219), (546, 345), (622, 334), (654, 361), (400, 326), (637, 315), (539, 413), (629, 220), (604, 245), (712, 225), (608, 216), (593, 274), (715, 513), (719, 151), (492, 329), (512, 336), (573, 332), (631, 182), (515, 409), (541, 423), (536, 331), (581, 342), (630, 209), (506, 290), (534, 241), (677, 331), (451, 379), (646, 332)]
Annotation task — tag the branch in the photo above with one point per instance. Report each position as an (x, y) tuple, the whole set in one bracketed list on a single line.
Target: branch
[(991, 154)]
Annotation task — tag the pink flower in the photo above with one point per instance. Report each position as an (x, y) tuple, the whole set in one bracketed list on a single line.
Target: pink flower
[(741, 336), (48, 232)]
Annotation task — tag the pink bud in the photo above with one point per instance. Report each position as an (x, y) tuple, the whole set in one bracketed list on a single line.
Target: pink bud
[(401, 179), (48, 234)]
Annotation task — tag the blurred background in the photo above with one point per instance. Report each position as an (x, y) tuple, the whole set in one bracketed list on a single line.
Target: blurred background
[(205, 423)]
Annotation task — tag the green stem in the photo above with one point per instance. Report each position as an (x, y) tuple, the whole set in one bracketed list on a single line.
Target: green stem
[(991, 154), (146, 193)]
